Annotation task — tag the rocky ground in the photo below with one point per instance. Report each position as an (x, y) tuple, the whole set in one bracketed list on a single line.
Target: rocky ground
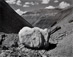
[(10, 47), (61, 41)]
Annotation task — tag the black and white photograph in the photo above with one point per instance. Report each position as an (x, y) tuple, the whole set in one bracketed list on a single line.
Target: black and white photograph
[(36, 28)]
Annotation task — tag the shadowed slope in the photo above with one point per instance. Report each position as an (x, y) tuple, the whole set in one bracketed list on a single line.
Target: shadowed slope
[(10, 21), (50, 21)]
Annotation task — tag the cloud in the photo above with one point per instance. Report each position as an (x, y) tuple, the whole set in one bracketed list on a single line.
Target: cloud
[(50, 7), (31, 3), (20, 12), (45, 1), (26, 5), (18, 3), (63, 4), (56, 1), (11, 1)]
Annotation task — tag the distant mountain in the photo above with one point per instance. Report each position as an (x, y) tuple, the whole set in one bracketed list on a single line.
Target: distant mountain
[(43, 11), (46, 18), (36, 15), (66, 16), (48, 21)]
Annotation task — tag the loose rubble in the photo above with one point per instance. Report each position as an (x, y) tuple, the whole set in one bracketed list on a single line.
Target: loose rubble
[(11, 45)]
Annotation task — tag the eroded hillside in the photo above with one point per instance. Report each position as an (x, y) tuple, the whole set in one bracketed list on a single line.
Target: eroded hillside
[(60, 41), (62, 38)]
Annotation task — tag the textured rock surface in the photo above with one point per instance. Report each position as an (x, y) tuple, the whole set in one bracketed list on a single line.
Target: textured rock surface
[(8, 39), (33, 37), (65, 30), (64, 47)]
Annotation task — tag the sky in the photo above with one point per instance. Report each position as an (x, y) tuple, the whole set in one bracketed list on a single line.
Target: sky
[(22, 6)]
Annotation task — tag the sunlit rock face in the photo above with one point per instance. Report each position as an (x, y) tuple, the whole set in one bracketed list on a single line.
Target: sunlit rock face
[(33, 37)]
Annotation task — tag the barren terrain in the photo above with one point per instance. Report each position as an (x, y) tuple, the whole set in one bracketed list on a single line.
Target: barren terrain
[(10, 47)]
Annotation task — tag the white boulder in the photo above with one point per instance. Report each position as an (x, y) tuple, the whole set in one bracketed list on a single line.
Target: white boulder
[(33, 37)]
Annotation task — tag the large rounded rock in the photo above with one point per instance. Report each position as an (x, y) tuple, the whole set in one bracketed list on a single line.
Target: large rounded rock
[(23, 32), (31, 37)]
